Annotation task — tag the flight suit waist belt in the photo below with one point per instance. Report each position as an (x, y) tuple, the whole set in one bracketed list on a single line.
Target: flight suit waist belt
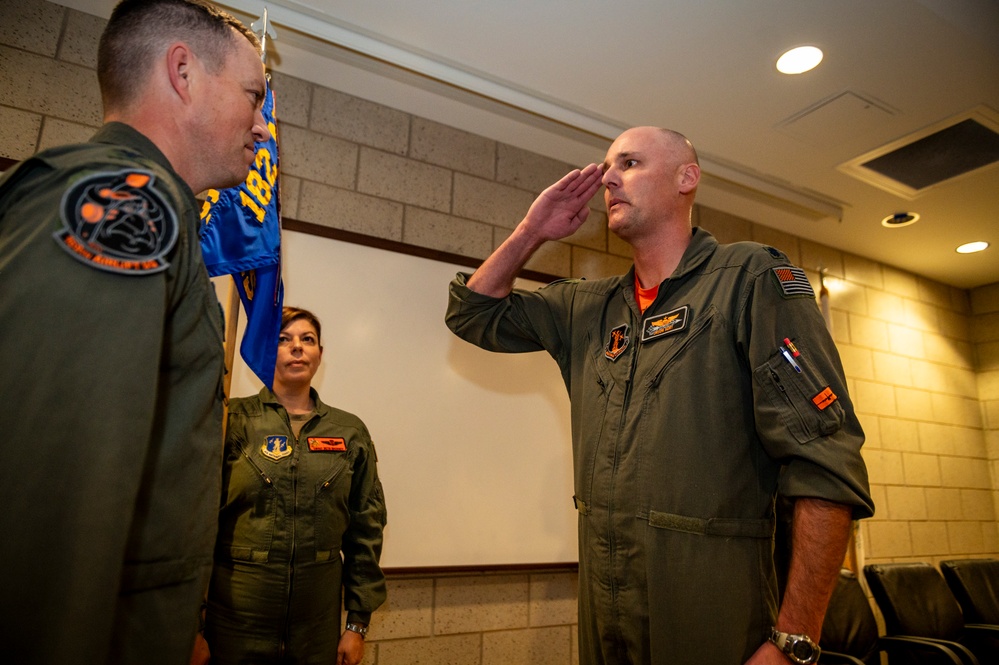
[(715, 526)]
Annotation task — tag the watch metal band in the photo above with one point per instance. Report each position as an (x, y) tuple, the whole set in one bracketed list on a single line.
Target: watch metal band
[(357, 628), (798, 648)]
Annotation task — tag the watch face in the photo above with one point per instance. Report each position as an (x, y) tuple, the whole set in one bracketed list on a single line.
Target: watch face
[(802, 650)]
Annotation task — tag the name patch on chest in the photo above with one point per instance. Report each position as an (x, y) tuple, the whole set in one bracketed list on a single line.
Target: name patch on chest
[(660, 325), (327, 444)]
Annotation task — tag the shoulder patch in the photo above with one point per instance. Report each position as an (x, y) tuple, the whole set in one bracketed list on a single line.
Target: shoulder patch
[(118, 222), (774, 252), (793, 282)]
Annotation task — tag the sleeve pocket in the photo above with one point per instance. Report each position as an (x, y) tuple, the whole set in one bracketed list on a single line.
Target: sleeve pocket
[(806, 404)]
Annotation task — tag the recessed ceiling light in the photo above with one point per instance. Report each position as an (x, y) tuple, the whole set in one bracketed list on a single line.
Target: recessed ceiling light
[(900, 219), (972, 247), (799, 60)]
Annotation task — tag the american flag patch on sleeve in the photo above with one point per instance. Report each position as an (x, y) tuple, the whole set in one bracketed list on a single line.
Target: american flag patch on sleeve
[(793, 282)]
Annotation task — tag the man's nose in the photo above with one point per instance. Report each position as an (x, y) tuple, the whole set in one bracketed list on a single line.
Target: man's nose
[(260, 131), (609, 179)]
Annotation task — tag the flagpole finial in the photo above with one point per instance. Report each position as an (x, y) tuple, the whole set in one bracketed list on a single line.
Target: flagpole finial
[(262, 28)]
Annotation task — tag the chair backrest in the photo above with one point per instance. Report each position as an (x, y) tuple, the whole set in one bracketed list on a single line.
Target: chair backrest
[(915, 600), (975, 584), (850, 627)]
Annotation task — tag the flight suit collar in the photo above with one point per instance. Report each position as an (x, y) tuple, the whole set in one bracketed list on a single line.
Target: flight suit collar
[(268, 397), (118, 133), (702, 246)]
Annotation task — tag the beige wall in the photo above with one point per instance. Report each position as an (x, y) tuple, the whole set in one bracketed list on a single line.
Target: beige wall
[(922, 358)]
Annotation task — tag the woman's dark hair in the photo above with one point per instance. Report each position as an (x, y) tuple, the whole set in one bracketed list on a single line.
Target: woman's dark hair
[(289, 314)]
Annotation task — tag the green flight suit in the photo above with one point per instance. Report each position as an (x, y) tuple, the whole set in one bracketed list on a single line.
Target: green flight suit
[(289, 508), (111, 352), (682, 419)]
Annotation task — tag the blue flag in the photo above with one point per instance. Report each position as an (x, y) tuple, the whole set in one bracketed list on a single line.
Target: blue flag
[(241, 236)]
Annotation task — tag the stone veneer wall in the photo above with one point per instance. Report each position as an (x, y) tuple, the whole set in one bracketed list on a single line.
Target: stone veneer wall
[(922, 358)]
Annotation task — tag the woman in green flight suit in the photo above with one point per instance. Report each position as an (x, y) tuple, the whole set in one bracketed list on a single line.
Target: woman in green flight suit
[(301, 519)]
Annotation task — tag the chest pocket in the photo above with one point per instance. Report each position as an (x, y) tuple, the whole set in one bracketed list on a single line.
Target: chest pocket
[(331, 509), (801, 399), (246, 520), (677, 347)]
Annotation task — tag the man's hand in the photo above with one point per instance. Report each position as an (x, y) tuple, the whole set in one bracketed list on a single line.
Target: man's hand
[(350, 651), (560, 210), (200, 655), (557, 213)]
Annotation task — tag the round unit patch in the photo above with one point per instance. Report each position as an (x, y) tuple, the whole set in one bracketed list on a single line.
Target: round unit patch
[(118, 222)]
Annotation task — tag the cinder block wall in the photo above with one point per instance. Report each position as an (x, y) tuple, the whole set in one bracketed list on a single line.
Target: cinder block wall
[(985, 335), (922, 358)]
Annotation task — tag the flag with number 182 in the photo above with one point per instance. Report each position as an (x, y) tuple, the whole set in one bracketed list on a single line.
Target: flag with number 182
[(241, 236)]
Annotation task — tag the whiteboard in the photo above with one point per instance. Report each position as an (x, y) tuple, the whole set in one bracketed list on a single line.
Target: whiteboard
[(473, 447)]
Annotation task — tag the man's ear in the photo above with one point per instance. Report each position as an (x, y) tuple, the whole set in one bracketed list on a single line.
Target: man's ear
[(179, 69), (690, 175)]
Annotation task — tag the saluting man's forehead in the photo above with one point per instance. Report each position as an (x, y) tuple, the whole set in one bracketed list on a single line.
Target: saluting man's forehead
[(631, 146)]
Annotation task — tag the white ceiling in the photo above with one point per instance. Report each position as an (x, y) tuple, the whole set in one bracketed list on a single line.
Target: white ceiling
[(705, 68)]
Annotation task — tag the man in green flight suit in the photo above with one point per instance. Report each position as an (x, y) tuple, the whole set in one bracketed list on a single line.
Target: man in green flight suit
[(111, 347), (702, 383)]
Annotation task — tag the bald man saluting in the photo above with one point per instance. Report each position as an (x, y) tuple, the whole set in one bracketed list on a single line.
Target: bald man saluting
[(702, 383)]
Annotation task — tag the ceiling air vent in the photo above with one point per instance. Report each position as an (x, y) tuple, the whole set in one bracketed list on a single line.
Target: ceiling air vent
[(948, 150)]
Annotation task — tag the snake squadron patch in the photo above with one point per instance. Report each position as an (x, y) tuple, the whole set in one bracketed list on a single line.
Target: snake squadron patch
[(660, 325), (118, 222), (276, 447), (617, 342)]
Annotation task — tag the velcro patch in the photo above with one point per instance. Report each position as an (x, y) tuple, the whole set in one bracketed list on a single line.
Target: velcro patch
[(793, 282), (776, 253), (275, 447), (327, 444), (118, 222), (660, 325), (617, 342), (824, 399)]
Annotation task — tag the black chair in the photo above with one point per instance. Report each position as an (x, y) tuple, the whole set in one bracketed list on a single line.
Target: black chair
[(975, 584), (850, 633), (915, 600)]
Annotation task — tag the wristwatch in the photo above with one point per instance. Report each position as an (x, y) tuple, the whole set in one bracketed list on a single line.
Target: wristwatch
[(358, 628), (798, 648)]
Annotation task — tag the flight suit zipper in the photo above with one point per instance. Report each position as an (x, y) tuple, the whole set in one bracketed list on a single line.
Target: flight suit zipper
[(611, 531), (775, 377), (260, 472)]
